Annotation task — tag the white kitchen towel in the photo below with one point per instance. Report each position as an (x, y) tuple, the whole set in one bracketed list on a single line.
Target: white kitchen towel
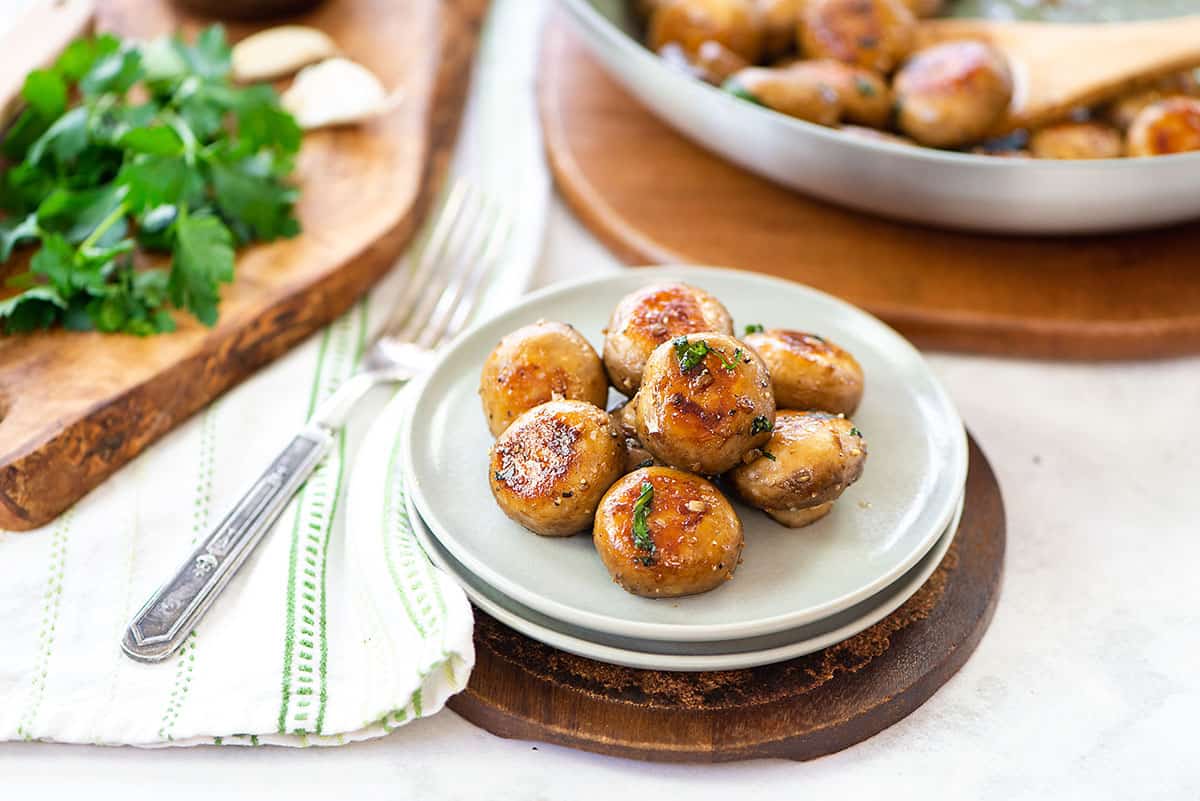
[(329, 633)]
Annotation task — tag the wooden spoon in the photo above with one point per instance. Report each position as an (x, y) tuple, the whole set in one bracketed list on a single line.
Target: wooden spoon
[(35, 41), (1058, 66)]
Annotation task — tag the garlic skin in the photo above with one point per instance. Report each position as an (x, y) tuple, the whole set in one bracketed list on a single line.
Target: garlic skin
[(279, 51), (336, 92)]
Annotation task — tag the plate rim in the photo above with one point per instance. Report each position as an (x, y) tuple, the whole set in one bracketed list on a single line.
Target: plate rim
[(648, 660), (956, 475)]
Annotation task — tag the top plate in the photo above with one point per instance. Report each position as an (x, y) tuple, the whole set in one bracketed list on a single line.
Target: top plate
[(881, 527)]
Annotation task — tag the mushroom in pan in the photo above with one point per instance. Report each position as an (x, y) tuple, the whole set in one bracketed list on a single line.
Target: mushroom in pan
[(1168, 126), (736, 24), (952, 94), (876, 34)]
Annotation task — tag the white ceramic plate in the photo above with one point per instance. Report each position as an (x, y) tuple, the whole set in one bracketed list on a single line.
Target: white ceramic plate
[(649, 655), (879, 529)]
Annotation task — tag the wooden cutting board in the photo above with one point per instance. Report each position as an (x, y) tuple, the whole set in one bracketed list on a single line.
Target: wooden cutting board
[(800, 709), (75, 407), (655, 197)]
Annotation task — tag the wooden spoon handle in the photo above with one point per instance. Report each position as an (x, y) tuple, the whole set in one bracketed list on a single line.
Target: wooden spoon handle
[(35, 41)]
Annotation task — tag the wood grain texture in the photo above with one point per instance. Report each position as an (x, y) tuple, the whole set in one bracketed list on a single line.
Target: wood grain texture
[(1059, 67), (75, 407), (654, 197), (800, 709)]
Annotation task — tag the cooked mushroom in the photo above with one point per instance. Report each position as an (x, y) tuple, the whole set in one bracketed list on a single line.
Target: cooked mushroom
[(663, 533), (650, 316), (809, 372), (1168, 126), (876, 34), (538, 363), (550, 468), (788, 90), (1077, 140), (780, 21), (705, 401), (952, 94), (810, 461), (736, 24), (624, 415)]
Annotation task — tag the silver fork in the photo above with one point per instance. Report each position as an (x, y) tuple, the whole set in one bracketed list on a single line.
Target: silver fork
[(464, 241)]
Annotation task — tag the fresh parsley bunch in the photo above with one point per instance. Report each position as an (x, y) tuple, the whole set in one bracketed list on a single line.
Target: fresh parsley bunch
[(128, 149)]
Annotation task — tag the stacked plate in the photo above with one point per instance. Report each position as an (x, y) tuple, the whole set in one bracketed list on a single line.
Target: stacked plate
[(796, 591)]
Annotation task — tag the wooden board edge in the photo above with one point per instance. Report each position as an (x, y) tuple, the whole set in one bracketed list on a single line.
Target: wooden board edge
[(29, 478)]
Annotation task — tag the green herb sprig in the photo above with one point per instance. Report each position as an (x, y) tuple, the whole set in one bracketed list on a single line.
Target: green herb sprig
[(691, 354), (761, 424), (641, 525), (127, 148)]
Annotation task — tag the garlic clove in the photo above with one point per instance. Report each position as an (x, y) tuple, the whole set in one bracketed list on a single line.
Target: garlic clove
[(336, 92), (279, 51)]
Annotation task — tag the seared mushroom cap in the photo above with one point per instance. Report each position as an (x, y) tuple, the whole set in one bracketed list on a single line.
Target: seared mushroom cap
[(705, 401), (550, 468), (538, 363), (679, 537)]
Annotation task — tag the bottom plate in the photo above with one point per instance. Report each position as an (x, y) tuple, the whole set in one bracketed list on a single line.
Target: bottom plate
[(686, 656)]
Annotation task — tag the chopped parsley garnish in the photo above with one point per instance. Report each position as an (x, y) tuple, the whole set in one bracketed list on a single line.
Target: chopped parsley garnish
[(761, 424), (754, 328), (769, 455), (691, 354), (646, 463), (641, 527), (854, 432), (126, 148), (502, 475)]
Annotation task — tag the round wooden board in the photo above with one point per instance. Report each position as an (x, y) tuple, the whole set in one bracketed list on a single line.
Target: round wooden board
[(800, 709), (654, 197)]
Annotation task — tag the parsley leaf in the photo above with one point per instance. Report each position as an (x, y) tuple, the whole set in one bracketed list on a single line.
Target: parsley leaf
[(754, 328), (160, 180), (37, 307), (761, 424), (260, 203), (13, 233), (203, 259), (64, 140), (125, 145), (641, 527), (45, 92)]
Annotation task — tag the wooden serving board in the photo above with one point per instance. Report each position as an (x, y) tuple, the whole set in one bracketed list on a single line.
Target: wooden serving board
[(655, 197), (75, 407), (800, 709)]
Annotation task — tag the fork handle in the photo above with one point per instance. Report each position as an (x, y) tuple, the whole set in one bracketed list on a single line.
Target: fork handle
[(172, 612)]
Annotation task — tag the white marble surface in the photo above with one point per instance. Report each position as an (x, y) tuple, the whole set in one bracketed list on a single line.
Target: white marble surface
[(1086, 686)]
